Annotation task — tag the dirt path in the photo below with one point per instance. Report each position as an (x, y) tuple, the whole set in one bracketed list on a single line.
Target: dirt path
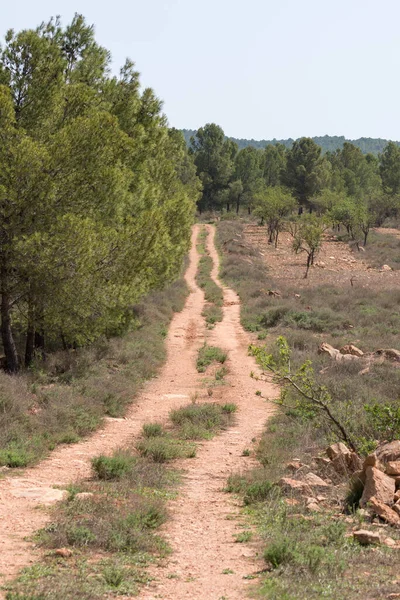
[(199, 532)]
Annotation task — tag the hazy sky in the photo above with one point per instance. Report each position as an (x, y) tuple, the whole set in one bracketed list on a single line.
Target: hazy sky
[(259, 68)]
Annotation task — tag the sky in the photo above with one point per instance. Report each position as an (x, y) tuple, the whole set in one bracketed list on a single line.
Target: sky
[(260, 69)]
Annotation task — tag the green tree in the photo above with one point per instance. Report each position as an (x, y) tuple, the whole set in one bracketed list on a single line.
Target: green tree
[(274, 164), (97, 196), (306, 171), (307, 233), (389, 169), (214, 160), (356, 173), (273, 206), (248, 171)]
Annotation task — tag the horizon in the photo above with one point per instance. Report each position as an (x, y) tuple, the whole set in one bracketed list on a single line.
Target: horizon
[(271, 69), (326, 135)]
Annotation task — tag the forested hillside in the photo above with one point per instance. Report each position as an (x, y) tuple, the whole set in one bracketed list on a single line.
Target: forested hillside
[(350, 188), (328, 143), (97, 195)]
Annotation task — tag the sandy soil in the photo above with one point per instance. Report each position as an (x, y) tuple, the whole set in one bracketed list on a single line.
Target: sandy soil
[(203, 519), (335, 264)]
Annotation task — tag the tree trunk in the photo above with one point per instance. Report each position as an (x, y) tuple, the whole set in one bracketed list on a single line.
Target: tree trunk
[(39, 343), (30, 344), (365, 237), (228, 207), (237, 205), (10, 350), (308, 266)]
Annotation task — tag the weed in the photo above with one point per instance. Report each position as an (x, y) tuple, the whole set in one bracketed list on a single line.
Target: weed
[(165, 449), (209, 354), (113, 467), (201, 421), (152, 430), (229, 408), (280, 552), (243, 537), (220, 373)]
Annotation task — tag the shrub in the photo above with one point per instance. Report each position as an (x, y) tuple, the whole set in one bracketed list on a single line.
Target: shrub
[(164, 449), (113, 467), (209, 354), (280, 552), (152, 430)]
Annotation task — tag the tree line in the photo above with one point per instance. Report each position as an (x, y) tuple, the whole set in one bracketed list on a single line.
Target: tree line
[(357, 190), (97, 193), (328, 143)]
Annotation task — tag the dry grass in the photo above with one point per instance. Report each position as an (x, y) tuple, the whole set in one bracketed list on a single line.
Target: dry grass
[(307, 554), (66, 398)]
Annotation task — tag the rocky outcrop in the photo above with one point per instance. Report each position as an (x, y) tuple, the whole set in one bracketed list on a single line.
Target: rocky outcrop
[(352, 353), (377, 485), (364, 537), (353, 350), (388, 452), (383, 511)]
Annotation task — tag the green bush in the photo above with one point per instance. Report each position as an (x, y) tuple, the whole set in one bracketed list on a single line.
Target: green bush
[(280, 552), (117, 466), (152, 430), (165, 449), (209, 354)]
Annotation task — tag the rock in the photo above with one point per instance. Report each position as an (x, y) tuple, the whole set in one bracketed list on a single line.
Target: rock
[(347, 463), (330, 350), (364, 371), (396, 508), (384, 512), (389, 354), (297, 296), (386, 268), (293, 486), (372, 461), (64, 552), (378, 486), (314, 507), (294, 465), (364, 537), (389, 452), (314, 481), (390, 542), (397, 496), (354, 462), (350, 349), (291, 501), (83, 495), (393, 467), (336, 450), (41, 495)]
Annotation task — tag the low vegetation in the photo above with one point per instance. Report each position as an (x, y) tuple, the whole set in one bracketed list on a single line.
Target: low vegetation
[(103, 537), (208, 355), (311, 553), (66, 397), (213, 294)]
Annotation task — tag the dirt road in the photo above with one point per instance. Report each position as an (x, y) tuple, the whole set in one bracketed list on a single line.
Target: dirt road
[(203, 517)]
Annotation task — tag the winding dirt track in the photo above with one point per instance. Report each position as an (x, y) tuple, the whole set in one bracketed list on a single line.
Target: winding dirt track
[(203, 517)]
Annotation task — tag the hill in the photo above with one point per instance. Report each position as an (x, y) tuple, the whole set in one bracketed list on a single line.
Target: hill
[(328, 143)]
